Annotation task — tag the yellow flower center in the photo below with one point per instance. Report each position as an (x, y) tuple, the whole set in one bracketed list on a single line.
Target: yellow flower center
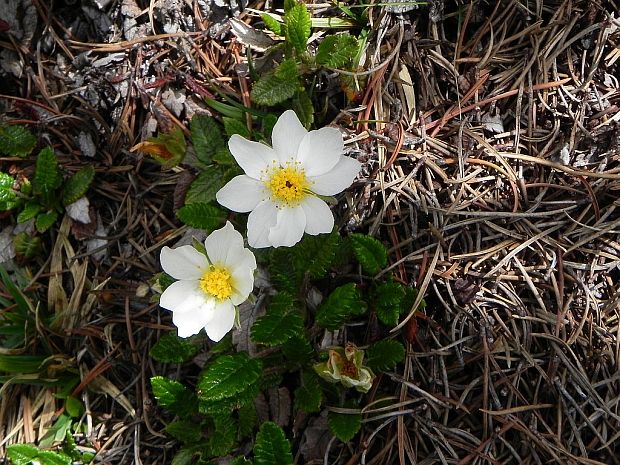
[(217, 282), (288, 185)]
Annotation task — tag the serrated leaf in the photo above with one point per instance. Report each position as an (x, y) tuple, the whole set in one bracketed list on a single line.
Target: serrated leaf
[(27, 246), (46, 174), (201, 216), (77, 185), (298, 24), (173, 395), (8, 197), (272, 24), (204, 187), (30, 210), (298, 350), (48, 457), (168, 149), (308, 395), (370, 253), (185, 431), (234, 126), (227, 376), (281, 322), (206, 137), (343, 302), (224, 157), (344, 426), (46, 220), (336, 51), (276, 87), (16, 141), (384, 355), (229, 404), (187, 455), (272, 447), (288, 4), (316, 254), (247, 420), (173, 349), (21, 454), (388, 300), (222, 440)]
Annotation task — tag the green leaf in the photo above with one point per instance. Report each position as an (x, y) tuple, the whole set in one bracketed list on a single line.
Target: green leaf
[(168, 148), (229, 404), (21, 454), (48, 457), (205, 186), (8, 197), (46, 220), (185, 431), (222, 440), (27, 246), (284, 276), (298, 350), (201, 216), (30, 210), (77, 185), (384, 355), (272, 24), (288, 4), (248, 418), (206, 137), (47, 177), (234, 126), (344, 426), (228, 375), (370, 253), (337, 51), (224, 157), (276, 87), (281, 322), (241, 461), (309, 395), (173, 349), (272, 447), (343, 302), (316, 254), (173, 395), (16, 141), (298, 24), (388, 299), (74, 407), (187, 455)]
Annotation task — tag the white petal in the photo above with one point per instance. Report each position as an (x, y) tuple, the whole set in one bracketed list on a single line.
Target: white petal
[(338, 179), (222, 322), (221, 241), (320, 150), (260, 220), (252, 157), (190, 321), (319, 218), (287, 135), (243, 281), (178, 292), (183, 262), (240, 259), (289, 227), (241, 194)]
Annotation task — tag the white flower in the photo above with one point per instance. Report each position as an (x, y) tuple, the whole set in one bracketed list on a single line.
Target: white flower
[(281, 185), (208, 287)]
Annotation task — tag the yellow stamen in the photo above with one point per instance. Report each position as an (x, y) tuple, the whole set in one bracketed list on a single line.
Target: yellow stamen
[(217, 282), (288, 185)]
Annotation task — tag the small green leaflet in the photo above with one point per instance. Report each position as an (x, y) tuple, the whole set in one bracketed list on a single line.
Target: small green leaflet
[(281, 322), (227, 376), (234, 126), (8, 197), (46, 220), (77, 185), (344, 426), (173, 395), (30, 210), (388, 299), (298, 24), (272, 447), (343, 302), (16, 141), (337, 51), (276, 87), (201, 216), (384, 355), (370, 253), (205, 186), (25, 454), (47, 177), (309, 395), (272, 24), (185, 431), (206, 137), (173, 349)]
